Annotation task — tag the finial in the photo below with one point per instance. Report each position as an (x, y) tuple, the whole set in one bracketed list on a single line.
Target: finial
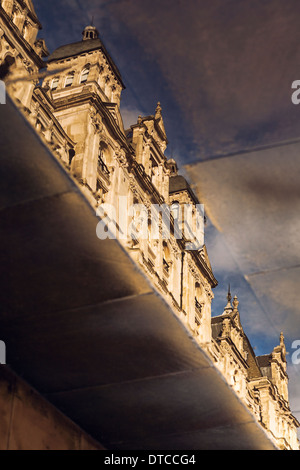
[(158, 111), (235, 303), (282, 346), (139, 120), (228, 307)]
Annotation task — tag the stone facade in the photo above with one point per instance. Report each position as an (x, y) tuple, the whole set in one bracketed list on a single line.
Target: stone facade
[(261, 382), (76, 111)]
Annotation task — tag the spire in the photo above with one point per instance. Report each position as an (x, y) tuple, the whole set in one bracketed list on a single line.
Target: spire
[(281, 348), (159, 121), (90, 32), (282, 345), (228, 308)]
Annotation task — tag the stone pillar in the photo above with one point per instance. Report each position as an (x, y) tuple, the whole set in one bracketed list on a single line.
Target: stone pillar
[(89, 168), (138, 137), (190, 298), (92, 163)]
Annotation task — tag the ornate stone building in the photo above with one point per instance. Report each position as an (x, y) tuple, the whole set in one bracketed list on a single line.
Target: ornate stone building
[(261, 382), (76, 111)]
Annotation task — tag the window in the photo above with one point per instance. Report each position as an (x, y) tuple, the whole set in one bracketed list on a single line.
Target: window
[(54, 83), (198, 303), (69, 80), (101, 162), (175, 210), (198, 297), (71, 155), (166, 265), (84, 75), (166, 259)]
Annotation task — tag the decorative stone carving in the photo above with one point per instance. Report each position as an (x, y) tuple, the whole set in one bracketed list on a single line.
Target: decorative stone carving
[(193, 269), (226, 327), (174, 247), (121, 157), (133, 186), (96, 122)]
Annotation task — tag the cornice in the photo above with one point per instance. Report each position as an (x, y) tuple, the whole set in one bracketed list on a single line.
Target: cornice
[(204, 268), (91, 98)]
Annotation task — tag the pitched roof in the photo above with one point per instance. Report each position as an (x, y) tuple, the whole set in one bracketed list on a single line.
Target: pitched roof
[(253, 370), (80, 47), (179, 183), (216, 327), (264, 361)]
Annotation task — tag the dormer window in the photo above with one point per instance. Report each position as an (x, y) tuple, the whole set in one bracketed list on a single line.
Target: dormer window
[(54, 83), (69, 80), (84, 75)]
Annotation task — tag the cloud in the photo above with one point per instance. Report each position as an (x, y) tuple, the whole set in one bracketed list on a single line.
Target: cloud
[(130, 116), (256, 322)]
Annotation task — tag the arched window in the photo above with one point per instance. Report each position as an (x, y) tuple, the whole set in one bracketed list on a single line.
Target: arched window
[(69, 80), (84, 74), (176, 212), (54, 83)]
